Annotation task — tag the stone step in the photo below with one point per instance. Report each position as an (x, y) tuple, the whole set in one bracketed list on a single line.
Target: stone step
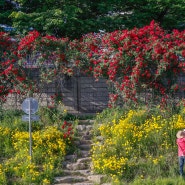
[(70, 179), (86, 141), (83, 141), (85, 172), (80, 164), (84, 127), (85, 137), (78, 183), (78, 154), (99, 138), (92, 179), (84, 183), (86, 122), (98, 179), (86, 147), (77, 166), (84, 133), (71, 157), (84, 153), (79, 159), (84, 160)]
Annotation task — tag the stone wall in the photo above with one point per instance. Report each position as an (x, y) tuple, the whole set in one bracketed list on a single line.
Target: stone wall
[(81, 94)]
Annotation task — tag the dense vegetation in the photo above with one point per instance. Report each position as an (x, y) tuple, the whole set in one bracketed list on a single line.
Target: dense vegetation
[(146, 59), (137, 140), (130, 146), (51, 139), (137, 144), (75, 18)]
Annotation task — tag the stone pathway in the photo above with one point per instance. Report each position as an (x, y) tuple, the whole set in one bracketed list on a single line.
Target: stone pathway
[(77, 167)]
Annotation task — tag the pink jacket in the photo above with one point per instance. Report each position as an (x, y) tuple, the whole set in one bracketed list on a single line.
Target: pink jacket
[(181, 146)]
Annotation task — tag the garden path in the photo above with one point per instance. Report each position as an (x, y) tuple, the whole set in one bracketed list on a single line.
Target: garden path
[(77, 167)]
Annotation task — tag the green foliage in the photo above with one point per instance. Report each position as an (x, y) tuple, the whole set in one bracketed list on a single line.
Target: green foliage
[(6, 9), (9, 115), (159, 181), (51, 140), (75, 18)]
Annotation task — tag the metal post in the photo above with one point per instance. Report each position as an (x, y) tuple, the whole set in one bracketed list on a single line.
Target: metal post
[(30, 136)]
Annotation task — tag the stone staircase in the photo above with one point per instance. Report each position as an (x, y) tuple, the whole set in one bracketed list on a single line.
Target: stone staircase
[(77, 167)]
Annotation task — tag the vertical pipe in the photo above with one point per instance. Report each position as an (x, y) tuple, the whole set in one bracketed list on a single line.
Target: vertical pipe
[(30, 136)]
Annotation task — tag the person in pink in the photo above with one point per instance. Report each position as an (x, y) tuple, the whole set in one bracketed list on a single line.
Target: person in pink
[(181, 150)]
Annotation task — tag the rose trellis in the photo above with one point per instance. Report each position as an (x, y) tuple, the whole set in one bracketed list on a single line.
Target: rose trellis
[(22, 54), (147, 59), (135, 60), (11, 78), (48, 53)]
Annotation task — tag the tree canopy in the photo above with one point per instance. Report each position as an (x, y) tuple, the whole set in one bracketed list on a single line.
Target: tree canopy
[(73, 18), (6, 9)]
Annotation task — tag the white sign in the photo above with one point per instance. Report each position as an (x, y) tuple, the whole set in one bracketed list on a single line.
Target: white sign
[(32, 118), (30, 106)]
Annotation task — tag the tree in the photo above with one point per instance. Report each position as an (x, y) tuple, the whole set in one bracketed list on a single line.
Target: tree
[(6, 9), (74, 18)]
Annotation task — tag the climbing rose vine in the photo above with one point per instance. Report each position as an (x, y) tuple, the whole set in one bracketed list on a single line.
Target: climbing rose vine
[(147, 59), (48, 53), (11, 78), (21, 55), (134, 61)]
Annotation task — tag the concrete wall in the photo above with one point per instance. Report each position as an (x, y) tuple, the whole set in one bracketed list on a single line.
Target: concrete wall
[(84, 94)]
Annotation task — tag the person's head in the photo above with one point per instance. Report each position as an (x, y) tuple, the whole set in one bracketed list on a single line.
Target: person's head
[(180, 134)]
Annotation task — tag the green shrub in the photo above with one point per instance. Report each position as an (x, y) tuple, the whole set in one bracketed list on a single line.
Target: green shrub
[(50, 143)]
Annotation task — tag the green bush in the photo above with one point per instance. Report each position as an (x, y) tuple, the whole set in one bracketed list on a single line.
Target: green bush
[(50, 143)]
